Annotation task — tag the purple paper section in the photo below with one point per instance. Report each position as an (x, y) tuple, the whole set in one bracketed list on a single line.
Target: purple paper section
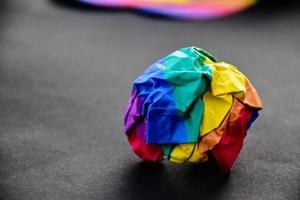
[(141, 130), (133, 111)]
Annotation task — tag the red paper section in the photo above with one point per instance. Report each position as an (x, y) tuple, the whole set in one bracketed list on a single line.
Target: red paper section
[(149, 152), (228, 148)]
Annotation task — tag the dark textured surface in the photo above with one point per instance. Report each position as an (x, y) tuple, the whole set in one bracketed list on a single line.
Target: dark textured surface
[(65, 76)]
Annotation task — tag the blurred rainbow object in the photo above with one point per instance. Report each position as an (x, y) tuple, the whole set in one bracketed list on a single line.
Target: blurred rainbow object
[(184, 9)]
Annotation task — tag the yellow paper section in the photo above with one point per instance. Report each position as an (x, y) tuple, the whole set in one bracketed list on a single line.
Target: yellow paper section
[(215, 109), (227, 81), (185, 152)]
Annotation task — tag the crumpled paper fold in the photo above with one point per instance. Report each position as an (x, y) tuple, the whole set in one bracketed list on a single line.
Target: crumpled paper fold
[(187, 106)]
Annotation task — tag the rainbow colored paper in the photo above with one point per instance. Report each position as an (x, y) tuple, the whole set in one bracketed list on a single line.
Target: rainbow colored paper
[(187, 106), (186, 9)]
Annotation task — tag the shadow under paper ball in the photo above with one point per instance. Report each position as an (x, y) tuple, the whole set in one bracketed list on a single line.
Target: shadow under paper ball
[(146, 180)]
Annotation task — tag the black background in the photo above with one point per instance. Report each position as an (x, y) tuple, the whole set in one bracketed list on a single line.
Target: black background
[(65, 77)]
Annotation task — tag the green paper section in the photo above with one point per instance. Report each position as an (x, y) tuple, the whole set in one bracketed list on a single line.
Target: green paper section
[(190, 79)]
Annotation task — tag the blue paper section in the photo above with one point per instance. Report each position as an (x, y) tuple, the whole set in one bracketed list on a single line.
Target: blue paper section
[(164, 125), (254, 116)]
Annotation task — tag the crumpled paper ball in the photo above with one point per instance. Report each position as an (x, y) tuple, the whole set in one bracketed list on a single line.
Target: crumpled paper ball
[(184, 9), (187, 106)]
